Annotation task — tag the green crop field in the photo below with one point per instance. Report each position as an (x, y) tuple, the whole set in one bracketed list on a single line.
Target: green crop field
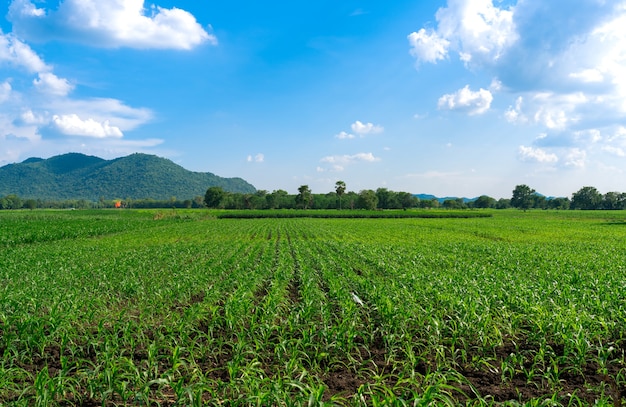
[(129, 307)]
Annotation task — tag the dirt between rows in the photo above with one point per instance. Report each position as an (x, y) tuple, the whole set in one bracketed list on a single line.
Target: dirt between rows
[(586, 384)]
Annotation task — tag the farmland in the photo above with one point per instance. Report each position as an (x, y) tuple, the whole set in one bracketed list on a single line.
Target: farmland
[(118, 307)]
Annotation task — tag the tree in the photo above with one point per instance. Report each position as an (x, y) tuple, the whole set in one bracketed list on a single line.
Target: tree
[(523, 197), (613, 200), (279, 199), (304, 197), (558, 203), (407, 200), (367, 199), (30, 204), (503, 203), (484, 201), (453, 204), (586, 198), (11, 201), (340, 189), (214, 197)]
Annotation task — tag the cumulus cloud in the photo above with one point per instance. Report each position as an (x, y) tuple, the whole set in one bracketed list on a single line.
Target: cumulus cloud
[(360, 128), (466, 100), (29, 118), (18, 54), (576, 158), (102, 109), (563, 68), (339, 162), (72, 125), (514, 113), (343, 135), (367, 128), (110, 24), (588, 75), (37, 103), (617, 151), (51, 84), (5, 91), (536, 154), (476, 29), (428, 46), (258, 158)]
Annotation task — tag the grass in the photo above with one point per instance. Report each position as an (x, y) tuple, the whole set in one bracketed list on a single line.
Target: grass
[(119, 307)]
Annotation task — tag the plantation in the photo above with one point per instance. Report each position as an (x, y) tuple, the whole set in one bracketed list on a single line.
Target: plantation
[(130, 307)]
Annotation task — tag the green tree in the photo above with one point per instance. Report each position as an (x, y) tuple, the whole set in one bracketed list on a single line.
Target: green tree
[(367, 199), (279, 199), (214, 196), (558, 203), (11, 201), (340, 189), (30, 204), (304, 198), (586, 198), (407, 200), (503, 203), (611, 200), (523, 197), (453, 203), (484, 202)]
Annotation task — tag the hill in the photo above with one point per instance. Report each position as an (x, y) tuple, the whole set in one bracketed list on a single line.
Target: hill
[(137, 176), (428, 197)]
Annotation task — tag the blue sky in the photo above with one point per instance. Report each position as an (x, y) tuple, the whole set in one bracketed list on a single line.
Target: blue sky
[(452, 98)]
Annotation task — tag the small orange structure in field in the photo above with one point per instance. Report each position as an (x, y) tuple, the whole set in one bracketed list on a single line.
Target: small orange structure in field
[(118, 204)]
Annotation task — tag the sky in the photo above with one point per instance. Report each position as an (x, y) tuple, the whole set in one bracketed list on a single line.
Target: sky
[(450, 98)]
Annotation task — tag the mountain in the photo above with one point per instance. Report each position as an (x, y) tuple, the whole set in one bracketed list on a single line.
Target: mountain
[(137, 176), (428, 197)]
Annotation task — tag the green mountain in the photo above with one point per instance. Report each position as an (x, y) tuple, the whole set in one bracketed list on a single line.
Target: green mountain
[(137, 176)]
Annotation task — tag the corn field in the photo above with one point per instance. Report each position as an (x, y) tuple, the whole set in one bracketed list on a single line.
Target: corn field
[(130, 307)]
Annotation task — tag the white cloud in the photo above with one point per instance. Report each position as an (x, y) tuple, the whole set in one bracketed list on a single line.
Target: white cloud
[(29, 117), (343, 135), (258, 158), (496, 85), (367, 128), (576, 158), (110, 24), (26, 114), (103, 109), (480, 32), (20, 55), (339, 162), (5, 91), (554, 111), (360, 128), (617, 151), (564, 69), (428, 47), (51, 84), (588, 75), (514, 114), (466, 100), (536, 154), (26, 8), (588, 136), (72, 125)]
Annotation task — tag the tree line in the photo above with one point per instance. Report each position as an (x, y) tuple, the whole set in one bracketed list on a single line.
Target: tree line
[(523, 197), (382, 198), (586, 198)]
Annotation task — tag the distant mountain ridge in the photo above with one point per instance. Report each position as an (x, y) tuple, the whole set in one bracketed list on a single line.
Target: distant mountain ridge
[(137, 176), (428, 197)]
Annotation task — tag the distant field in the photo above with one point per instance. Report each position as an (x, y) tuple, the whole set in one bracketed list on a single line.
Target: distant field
[(119, 307)]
